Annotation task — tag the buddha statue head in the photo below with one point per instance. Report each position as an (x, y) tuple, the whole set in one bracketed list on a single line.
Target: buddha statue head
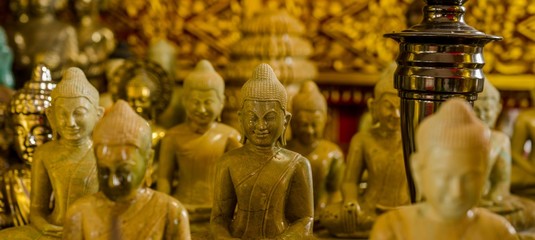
[(41, 7), (262, 113), (144, 85), (75, 106), (203, 97), (309, 114), (27, 109), (385, 105), (122, 141), (85, 7), (488, 104), (450, 162)]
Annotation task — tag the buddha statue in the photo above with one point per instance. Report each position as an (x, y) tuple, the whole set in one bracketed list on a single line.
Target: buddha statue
[(520, 212), (123, 208), (189, 151), (378, 152), (95, 42), (147, 88), (309, 110), (263, 191), (523, 163), (63, 169), (450, 168), (27, 118), (6, 58), (43, 38)]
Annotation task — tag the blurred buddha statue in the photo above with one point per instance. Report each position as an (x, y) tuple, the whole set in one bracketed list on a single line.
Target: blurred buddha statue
[(450, 169), (523, 167), (6, 60), (147, 88), (6, 133), (309, 110), (95, 42), (124, 208), (377, 151), (263, 191), (520, 212), (190, 150), (26, 116), (63, 169), (43, 39)]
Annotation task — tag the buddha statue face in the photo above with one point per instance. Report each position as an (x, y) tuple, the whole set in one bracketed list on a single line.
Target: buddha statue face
[(453, 182), (31, 130), (139, 97), (385, 110), (263, 122), (74, 117), (84, 7), (308, 126), (488, 106), (41, 7), (121, 170), (202, 106)]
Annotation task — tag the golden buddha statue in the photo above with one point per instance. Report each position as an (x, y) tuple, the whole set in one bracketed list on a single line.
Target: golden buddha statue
[(309, 110), (124, 208), (43, 39), (190, 150), (63, 169), (95, 42), (26, 116), (450, 169), (378, 152), (520, 212), (147, 88), (263, 191)]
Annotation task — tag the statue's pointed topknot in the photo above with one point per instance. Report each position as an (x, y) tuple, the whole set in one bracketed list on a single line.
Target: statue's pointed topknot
[(41, 73), (204, 66), (264, 86), (204, 77), (75, 84), (309, 98)]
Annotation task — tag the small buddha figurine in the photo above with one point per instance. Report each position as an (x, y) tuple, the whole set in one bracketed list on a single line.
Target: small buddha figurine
[(326, 158), (190, 150), (263, 191), (95, 42), (147, 88), (6, 60), (520, 212), (31, 128), (523, 167), (43, 38), (450, 168), (378, 151), (64, 169), (123, 208)]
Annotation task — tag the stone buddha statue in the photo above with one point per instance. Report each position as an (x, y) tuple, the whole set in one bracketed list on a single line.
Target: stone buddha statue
[(520, 212), (6, 58), (123, 208), (95, 42), (263, 191), (63, 169), (147, 88), (26, 117), (377, 151), (43, 38), (189, 151), (309, 110), (450, 169)]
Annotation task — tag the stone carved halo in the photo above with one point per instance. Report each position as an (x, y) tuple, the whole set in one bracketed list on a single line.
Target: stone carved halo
[(155, 73)]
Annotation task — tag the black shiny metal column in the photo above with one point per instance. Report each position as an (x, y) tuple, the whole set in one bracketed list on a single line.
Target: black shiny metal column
[(440, 58)]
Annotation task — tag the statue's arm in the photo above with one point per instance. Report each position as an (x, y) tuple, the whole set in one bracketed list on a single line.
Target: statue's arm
[(178, 225), (73, 223), (336, 172), (224, 203), (519, 138), (167, 164), (500, 175), (40, 196), (355, 168), (234, 141), (299, 209)]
